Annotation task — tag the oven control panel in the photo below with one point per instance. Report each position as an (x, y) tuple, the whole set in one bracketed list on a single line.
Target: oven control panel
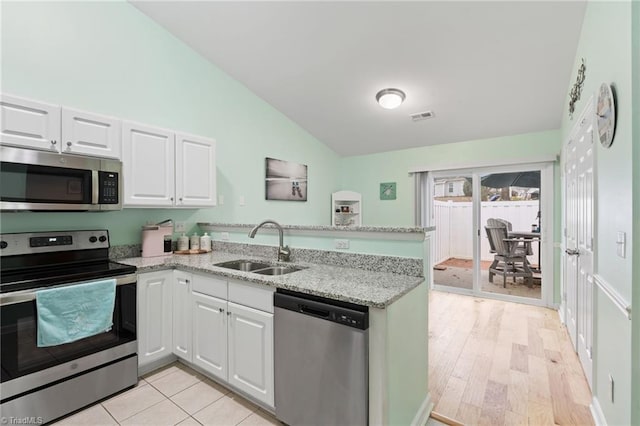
[(44, 242), (62, 240)]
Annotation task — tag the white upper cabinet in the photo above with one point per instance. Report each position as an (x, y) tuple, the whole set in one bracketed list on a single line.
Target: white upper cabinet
[(90, 134), (148, 165), (42, 126), (195, 171), (164, 169), (29, 124)]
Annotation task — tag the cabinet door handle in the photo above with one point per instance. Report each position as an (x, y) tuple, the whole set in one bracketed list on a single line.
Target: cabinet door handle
[(171, 198), (221, 310), (69, 143), (186, 281), (53, 142), (228, 313), (180, 199)]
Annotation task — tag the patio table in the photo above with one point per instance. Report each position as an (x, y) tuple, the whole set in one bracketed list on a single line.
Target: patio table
[(531, 237)]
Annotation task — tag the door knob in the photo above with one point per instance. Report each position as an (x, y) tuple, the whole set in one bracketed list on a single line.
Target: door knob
[(572, 252)]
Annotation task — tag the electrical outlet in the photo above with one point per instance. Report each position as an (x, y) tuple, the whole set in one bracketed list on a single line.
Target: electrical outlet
[(241, 200), (341, 244), (179, 226), (224, 236)]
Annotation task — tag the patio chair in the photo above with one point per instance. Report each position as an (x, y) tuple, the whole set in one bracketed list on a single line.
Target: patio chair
[(503, 222), (510, 258)]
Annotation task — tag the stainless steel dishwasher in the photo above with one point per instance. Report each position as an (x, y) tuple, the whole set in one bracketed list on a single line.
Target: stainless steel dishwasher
[(321, 361)]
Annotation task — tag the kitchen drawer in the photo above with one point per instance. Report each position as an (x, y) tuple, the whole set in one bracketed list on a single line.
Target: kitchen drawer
[(206, 284), (253, 295)]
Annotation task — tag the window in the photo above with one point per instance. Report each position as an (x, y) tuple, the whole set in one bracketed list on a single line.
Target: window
[(450, 187)]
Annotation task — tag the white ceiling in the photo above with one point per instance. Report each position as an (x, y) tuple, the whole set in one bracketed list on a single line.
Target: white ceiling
[(486, 69)]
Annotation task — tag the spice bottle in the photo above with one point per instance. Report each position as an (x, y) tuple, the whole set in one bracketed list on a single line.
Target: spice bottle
[(183, 242), (194, 242)]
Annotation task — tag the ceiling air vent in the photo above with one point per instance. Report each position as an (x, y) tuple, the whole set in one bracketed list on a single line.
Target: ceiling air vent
[(421, 115)]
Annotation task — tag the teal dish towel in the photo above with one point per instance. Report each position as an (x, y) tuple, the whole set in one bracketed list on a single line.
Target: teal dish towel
[(70, 313)]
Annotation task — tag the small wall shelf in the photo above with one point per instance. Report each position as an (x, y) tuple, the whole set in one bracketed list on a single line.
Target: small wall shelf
[(346, 208)]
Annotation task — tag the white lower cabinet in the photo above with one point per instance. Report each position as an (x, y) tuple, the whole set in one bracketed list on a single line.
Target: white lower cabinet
[(231, 341), (251, 351), (223, 327), (155, 316), (182, 319), (210, 334)]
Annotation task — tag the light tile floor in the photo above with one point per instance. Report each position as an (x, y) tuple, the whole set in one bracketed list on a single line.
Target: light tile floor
[(173, 395)]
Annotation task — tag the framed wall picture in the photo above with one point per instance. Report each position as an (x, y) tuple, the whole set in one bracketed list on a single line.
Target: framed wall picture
[(388, 191), (285, 181)]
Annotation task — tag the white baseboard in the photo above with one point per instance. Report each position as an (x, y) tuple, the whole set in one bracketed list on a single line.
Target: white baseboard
[(596, 412), (148, 368), (562, 312), (422, 416)]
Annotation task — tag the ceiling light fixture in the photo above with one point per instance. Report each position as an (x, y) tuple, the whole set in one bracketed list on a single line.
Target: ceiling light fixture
[(390, 98)]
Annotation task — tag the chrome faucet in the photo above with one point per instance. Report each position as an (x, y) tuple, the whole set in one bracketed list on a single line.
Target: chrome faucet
[(284, 252)]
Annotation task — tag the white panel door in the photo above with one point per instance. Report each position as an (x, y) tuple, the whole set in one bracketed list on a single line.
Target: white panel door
[(571, 242), (251, 352), (182, 320), (210, 334), (195, 171), (585, 255), (29, 124), (90, 134), (579, 204), (154, 316), (148, 165)]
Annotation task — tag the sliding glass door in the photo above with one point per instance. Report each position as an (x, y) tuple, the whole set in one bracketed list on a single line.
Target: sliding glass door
[(453, 213), (490, 235), (510, 233)]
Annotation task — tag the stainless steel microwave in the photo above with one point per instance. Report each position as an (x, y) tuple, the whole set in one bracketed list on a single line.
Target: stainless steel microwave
[(38, 180)]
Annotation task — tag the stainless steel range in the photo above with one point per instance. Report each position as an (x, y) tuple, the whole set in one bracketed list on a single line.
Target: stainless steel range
[(45, 383)]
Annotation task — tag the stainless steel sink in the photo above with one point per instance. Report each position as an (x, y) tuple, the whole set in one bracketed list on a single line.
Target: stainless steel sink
[(277, 270), (257, 267), (243, 265)]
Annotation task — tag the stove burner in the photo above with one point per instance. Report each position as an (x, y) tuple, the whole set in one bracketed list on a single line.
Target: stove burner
[(44, 259)]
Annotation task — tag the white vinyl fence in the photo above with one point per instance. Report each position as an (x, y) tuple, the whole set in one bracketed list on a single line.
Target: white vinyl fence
[(454, 234)]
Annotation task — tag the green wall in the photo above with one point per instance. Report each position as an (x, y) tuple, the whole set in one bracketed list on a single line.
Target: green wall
[(365, 173), (606, 45), (109, 58)]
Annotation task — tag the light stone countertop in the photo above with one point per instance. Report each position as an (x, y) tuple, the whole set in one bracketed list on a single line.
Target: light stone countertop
[(363, 228), (374, 289)]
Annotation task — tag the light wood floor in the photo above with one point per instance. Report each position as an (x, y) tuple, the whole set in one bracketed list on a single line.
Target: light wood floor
[(501, 363)]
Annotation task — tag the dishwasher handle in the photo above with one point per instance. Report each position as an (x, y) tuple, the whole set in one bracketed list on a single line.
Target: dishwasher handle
[(343, 313), (305, 309)]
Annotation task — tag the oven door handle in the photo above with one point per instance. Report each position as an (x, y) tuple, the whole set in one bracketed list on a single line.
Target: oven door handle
[(28, 295)]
